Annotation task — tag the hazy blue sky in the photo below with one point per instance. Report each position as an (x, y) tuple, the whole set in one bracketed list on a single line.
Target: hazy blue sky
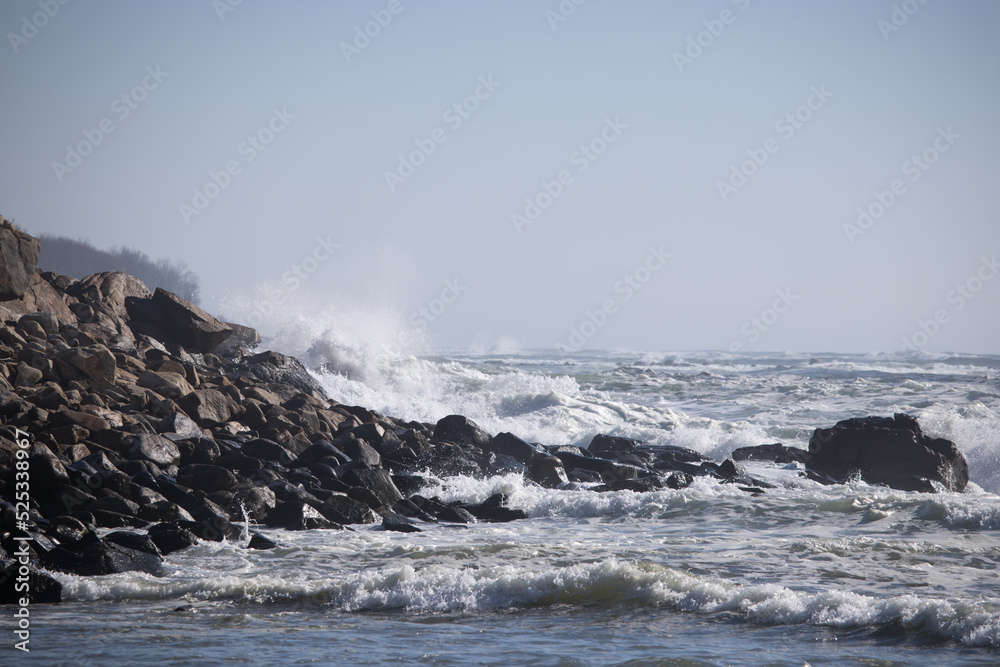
[(615, 120)]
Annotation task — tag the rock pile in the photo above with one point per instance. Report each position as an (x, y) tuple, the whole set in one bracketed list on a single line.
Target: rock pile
[(141, 413)]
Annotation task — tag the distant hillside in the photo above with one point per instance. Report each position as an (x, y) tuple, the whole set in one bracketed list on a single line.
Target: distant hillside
[(78, 259)]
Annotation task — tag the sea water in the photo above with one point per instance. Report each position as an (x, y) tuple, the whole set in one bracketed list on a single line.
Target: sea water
[(707, 575)]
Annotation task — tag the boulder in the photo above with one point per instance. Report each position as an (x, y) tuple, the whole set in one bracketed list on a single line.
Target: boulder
[(240, 342), (267, 450), (603, 445), (891, 451), (18, 259), (258, 541), (378, 482), (183, 426), (777, 453), (343, 509), (93, 556), (548, 471), (399, 524), (170, 537), (460, 431), (151, 447), (42, 588), (207, 478), (494, 509), (508, 444), (108, 291), (165, 383), (171, 318), (95, 362), (296, 515), (207, 407), (274, 368)]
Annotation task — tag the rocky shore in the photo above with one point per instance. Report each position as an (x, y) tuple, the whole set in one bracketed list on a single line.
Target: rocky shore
[(133, 424)]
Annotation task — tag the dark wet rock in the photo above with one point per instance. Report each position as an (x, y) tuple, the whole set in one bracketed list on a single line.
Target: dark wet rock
[(343, 509), (730, 471), (164, 510), (134, 541), (460, 431), (296, 515), (358, 450), (114, 504), (456, 515), (378, 482), (494, 509), (258, 541), (365, 496), (508, 444), (641, 485), (257, 501), (605, 445), (408, 483), (411, 510), (548, 471), (501, 464), (170, 537), (891, 451), (679, 480), (171, 318), (322, 449), (109, 519), (42, 588), (670, 457), (399, 524), (213, 529), (93, 556), (776, 453), (207, 478), (267, 450)]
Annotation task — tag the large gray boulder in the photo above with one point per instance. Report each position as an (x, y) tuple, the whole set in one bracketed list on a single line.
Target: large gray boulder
[(18, 260), (109, 290)]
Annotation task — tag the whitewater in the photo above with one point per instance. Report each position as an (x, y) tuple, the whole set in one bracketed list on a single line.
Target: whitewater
[(707, 575)]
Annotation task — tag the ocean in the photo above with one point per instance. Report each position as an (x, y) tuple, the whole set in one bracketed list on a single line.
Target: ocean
[(708, 575)]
